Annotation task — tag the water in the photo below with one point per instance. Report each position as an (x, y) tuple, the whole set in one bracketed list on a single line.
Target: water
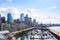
[(55, 28), (37, 35)]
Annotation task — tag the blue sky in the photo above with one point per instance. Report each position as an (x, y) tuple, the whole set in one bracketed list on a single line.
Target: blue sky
[(47, 11)]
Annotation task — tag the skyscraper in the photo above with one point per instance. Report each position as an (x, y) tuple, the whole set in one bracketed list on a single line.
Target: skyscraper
[(9, 18), (34, 22), (22, 17), (0, 21), (30, 21), (26, 19), (0, 17), (3, 19)]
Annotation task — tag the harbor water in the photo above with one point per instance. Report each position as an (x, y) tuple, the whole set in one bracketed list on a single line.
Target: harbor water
[(39, 35)]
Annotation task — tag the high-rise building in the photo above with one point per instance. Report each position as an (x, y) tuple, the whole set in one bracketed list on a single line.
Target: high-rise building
[(0, 21), (22, 17), (0, 17), (3, 19), (16, 21), (34, 22), (30, 21), (26, 16), (26, 19), (9, 18)]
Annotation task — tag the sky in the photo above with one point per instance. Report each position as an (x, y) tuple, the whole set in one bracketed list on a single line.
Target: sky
[(45, 11)]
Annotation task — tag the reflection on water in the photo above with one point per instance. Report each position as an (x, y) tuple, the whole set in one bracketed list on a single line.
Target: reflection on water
[(37, 35)]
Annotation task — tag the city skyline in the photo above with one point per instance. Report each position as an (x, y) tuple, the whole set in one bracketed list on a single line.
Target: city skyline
[(22, 18), (46, 11)]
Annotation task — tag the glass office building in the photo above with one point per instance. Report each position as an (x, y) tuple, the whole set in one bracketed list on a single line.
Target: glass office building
[(9, 17), (22, 17)]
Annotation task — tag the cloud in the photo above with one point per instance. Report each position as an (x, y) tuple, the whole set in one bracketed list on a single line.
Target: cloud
[(14, 11), (52, 7), (43, 17), (3, 10), (40, 16)]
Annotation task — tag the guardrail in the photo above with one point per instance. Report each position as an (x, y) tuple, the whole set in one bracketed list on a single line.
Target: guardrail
[(55, 33)]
